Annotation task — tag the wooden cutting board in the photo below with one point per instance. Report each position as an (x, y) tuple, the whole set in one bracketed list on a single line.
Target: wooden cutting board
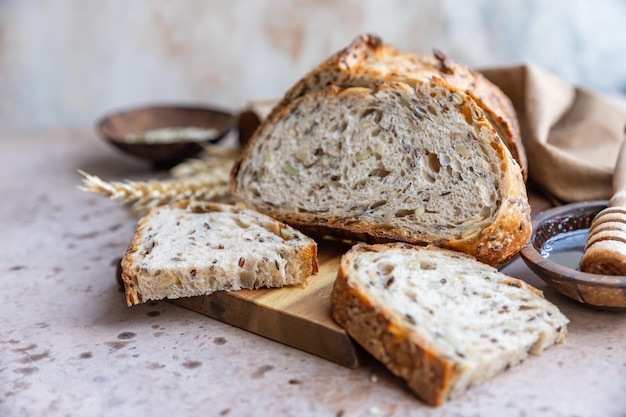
[(296, 316)]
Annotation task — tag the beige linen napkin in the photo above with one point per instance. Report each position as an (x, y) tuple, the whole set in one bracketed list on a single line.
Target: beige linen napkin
[(572, 136)]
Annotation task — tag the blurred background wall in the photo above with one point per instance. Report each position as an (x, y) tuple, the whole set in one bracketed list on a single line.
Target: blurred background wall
[(63, 63)]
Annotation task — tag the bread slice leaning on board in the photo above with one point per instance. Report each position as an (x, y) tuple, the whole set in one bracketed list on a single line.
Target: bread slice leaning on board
[(439, 319), (417, 163), (367, 61), (188, 249)]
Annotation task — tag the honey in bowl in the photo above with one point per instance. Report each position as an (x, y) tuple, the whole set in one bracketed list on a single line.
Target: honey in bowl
[(566, 249), (555, 250)]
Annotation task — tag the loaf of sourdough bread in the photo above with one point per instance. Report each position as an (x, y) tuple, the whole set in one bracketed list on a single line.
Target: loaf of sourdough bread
[(189, 249), (415, 162), (367, 61), (439, 319)]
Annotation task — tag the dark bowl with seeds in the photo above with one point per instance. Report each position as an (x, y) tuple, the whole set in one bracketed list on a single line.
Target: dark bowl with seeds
[(165, 134), (555, 249)]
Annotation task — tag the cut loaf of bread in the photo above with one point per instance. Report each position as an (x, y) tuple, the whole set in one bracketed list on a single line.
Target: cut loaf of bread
[(189, 249), (415, 163), (367, 61), (439, 319)]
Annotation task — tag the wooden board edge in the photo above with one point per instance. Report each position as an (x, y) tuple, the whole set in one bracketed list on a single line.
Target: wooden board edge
[(331, 344)]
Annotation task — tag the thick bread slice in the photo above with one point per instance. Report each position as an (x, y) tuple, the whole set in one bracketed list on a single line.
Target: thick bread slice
[(367, 61), (414, 163), (189, 249), (439, 319)]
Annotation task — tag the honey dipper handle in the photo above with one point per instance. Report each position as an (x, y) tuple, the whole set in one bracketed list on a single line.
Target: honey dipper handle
[(619, 180)]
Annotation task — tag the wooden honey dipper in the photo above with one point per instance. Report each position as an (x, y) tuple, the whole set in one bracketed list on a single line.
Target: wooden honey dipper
[(605, 250)]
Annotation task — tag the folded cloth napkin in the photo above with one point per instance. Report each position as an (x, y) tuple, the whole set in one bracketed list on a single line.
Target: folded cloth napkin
[(572, 136)]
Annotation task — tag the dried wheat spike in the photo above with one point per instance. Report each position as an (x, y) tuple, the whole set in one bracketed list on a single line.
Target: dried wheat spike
[(200, 180)]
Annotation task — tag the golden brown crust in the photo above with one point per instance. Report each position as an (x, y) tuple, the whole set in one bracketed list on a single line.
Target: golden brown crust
[(495, 244), (352, 66), (428, 374), (497, 106), (377, 327), (499, 242), (131, 286)]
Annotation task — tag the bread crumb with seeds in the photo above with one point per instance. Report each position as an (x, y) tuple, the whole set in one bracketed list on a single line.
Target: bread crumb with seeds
[(440, 319), (188, 249)]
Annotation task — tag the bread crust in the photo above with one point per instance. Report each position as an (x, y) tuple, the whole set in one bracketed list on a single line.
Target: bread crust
[(368, 61), (429, 373), (407, 356), (496, 244), (131, 285), (305, 260)]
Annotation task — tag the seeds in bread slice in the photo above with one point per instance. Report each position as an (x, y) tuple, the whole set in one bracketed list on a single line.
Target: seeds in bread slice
[(440, 319), (189, 249), (414, 163), (367, 61)]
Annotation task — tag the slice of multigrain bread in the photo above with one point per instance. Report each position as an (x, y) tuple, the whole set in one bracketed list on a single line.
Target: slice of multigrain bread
[(438, 318), (414, 163), (189, 249)]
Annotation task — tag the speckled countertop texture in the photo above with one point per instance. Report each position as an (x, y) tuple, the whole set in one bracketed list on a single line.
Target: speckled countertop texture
[(69, 345)]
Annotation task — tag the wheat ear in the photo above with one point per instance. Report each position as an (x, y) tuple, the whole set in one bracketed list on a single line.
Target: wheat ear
[(200, 180)]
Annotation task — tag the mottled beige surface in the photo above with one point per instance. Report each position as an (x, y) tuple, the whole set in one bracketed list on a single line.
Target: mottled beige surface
[(70, 346)]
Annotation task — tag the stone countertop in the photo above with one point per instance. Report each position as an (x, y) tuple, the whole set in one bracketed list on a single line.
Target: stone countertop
[(69, 345)]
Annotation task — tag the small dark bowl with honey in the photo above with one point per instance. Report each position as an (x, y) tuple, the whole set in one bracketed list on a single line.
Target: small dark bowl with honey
[(555, 249)]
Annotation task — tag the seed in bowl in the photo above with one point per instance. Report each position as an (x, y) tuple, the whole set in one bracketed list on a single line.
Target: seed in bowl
[(173, 134)]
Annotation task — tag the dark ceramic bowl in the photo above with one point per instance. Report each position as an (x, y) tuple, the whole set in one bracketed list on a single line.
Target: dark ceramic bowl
[(557, 225), (116, 128)]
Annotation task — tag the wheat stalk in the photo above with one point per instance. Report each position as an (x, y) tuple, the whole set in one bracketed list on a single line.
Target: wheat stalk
[(196, 179), (219, 162)]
